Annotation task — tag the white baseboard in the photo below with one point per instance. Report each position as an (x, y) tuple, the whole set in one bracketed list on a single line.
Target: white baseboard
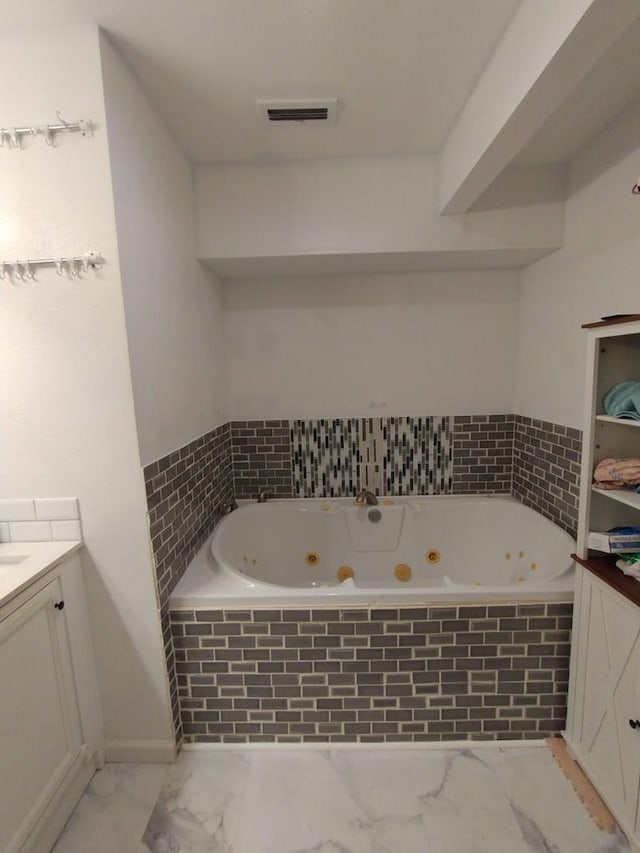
[(328, 746), (140, 751)]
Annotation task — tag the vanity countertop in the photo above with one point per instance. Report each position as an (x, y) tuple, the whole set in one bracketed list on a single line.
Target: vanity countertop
[(22, 563)]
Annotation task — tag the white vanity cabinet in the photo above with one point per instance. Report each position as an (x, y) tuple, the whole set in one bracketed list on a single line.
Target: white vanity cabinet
[(603, 725), (49, 725), (603, 720)]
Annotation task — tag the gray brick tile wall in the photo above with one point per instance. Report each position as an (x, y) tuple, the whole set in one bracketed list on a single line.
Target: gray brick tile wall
[(536, 461), (483, 453), (546, 469), (373, 674), (262, 457), (185, 490)]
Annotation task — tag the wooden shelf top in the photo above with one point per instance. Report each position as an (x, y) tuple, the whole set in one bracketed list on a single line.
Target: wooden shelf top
[(603, 566), (616, 321)]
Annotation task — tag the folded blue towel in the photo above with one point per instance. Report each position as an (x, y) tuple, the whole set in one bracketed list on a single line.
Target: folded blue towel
[(623, 400)]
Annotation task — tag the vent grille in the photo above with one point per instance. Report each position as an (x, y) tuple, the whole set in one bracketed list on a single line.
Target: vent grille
[(298, 114), (299, 110)]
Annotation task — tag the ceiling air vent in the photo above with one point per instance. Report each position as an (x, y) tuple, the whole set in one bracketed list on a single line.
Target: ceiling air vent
[(321, 110)]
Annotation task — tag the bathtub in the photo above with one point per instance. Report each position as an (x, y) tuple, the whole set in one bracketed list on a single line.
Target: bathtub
[(410, 549)]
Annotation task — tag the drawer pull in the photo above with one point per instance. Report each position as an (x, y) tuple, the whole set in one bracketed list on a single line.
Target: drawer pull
[(59, 605)]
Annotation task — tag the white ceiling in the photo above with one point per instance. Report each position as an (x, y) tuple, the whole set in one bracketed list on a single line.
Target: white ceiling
[(402, 69)]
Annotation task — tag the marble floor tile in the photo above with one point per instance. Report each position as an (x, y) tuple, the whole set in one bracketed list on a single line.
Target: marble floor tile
[(489, 800), (201, 805), (114, 810)]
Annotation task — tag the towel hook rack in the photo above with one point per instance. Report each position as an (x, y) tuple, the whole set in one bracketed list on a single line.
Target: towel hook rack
[(12, 136), (75, 265)]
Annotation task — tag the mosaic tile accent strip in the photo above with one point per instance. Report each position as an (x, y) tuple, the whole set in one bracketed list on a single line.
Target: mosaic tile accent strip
[(393, 456), (185, 490), (261, 458), (546, 469), (327, 455), (481, 672), (418, 456), (483, 454)]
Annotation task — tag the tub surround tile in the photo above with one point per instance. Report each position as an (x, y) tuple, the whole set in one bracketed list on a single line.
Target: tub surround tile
[(327, 457), (546, 469), (418, 456), (185, 493), (392, 456), (536, 461), (262, 458), (373, 674), (483, 454), (506, 801)]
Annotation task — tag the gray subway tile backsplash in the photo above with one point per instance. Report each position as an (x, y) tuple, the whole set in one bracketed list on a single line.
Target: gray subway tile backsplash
[(185, 491), (546, 469), (420, 684), (534, 460)]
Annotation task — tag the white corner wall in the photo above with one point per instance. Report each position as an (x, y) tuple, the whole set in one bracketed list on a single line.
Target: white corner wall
[(67, 418), (593, 275), (172, 304), (421, 344)]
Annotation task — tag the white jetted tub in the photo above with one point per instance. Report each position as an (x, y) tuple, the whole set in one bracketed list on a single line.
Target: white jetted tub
[(424, 549)]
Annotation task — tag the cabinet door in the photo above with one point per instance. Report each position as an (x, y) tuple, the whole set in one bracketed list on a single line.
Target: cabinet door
[(610, 744), (40, 734)]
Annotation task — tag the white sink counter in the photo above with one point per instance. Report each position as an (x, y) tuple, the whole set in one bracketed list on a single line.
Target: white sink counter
[(22, 563)]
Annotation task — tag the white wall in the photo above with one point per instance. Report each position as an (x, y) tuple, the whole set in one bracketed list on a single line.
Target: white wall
[(438, 343), (172, 304), (67, 419), (595, 274), (358, 205)]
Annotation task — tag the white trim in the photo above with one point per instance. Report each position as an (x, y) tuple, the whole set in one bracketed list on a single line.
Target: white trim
[(140, 751), (330, 746)]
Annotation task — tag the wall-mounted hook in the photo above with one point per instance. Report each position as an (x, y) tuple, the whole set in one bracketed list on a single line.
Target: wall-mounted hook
[(19, 270), (59, 266)]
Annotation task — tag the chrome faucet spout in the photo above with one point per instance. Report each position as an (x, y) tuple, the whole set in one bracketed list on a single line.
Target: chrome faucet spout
[(366, 497), (264, 496)]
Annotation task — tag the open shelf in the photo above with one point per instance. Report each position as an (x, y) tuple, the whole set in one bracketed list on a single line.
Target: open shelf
[(621, 495), (621, 421)]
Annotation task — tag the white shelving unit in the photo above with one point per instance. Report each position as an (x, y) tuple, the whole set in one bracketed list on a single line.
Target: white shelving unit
[(613, 355), (603, 717)]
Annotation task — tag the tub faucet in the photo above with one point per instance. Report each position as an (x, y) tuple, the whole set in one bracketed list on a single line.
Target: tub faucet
[(264, 496), (366, 497)]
